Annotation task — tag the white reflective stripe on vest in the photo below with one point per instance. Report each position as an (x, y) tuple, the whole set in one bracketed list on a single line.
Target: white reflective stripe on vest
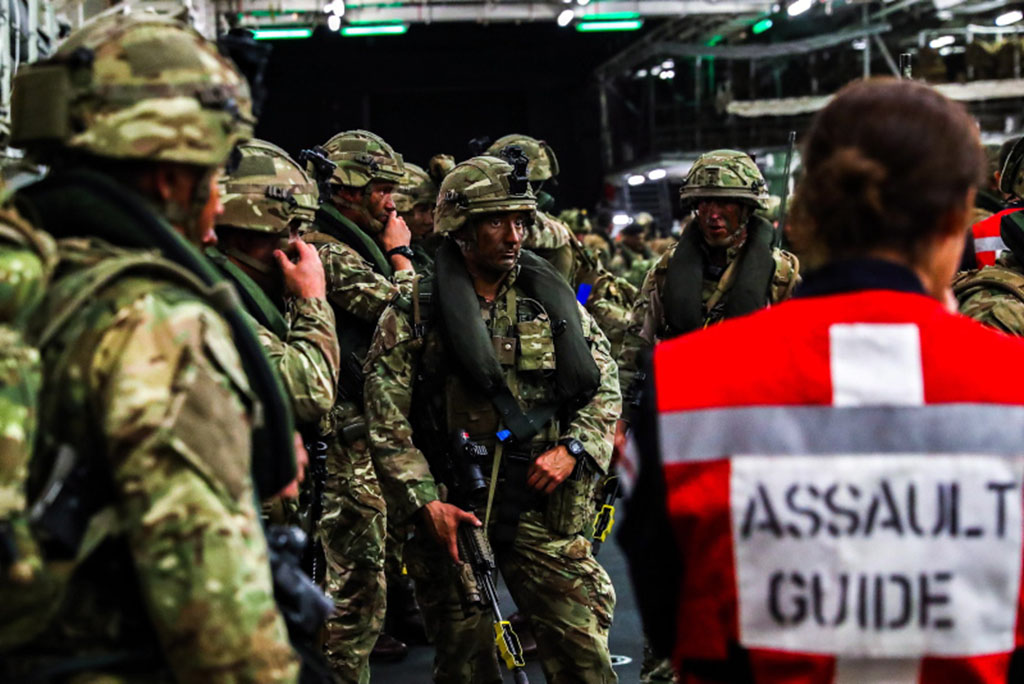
[(989, 244), (824, 430), (878, 671)]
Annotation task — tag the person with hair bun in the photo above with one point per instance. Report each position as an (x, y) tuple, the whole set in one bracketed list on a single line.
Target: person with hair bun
[(841, 500)]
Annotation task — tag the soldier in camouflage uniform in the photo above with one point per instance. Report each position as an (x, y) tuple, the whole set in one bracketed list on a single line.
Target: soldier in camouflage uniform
[(725, 264), (633, 258), (994, 295), (364, 246), (267, 200), (605, 296), (485, 320), (145, 396), (414, 199)]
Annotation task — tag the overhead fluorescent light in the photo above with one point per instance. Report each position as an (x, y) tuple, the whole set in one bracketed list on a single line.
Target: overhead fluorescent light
[(281, 33), (375, 30), (621, 219), (565, 17), (594, 26), (668, 64), (799, 7), (636, 179), (656, 174), (1009, 18), (941, 42)]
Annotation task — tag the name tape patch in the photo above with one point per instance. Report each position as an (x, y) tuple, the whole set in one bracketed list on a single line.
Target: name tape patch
[(893, 556)]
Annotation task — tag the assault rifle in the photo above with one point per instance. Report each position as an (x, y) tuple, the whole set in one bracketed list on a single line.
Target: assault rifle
[(479, 570), (313, 561), (605, 518)]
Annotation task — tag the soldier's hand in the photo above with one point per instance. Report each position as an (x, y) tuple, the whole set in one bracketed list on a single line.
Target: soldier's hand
[(301, 461), (443, 520), (396, 233), (304, 279), (550, 469)]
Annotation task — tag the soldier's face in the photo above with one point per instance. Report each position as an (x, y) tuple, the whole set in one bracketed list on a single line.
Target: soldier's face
[(378, 201), (421, 220), (634, 241), (722, 223), (499, 237)]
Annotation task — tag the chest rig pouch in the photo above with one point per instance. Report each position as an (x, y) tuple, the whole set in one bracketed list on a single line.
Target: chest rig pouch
[(523, 343)]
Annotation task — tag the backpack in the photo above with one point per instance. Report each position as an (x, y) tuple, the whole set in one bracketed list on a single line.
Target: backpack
[(43, 540)]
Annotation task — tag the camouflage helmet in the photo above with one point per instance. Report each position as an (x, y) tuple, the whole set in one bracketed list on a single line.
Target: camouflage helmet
[(644, 220), (417, 187), (266, 191), (577, 220), (543, 162), (726, 174), (480, 186), (1011, 180), (133, 87), (361, 157)]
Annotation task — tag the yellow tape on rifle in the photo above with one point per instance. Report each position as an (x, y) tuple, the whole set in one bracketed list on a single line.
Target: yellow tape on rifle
[(602, 534), (512, 660)]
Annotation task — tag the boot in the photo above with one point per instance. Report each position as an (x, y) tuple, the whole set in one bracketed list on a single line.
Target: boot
[(521, 626), (388, 650)]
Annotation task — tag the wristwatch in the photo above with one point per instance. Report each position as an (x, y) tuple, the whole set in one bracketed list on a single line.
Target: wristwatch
[(404, 250), (574, 447)]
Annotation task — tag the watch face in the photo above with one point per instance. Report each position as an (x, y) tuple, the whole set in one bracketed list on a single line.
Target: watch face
[(575, 448)]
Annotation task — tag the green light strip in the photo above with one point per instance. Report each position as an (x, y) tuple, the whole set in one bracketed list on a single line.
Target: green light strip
[(281, 33), (594, 26), (375, 30), (762, 26)]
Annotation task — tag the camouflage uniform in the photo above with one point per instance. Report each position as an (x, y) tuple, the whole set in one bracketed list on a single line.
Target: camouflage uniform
[(270, 193), (360, 285), (142, 382), (27, 258), (549, 569), (724, 174)]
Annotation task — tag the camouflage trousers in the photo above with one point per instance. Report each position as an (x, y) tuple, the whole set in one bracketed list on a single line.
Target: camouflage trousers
[(352, 531), (655, 670), (555, 580)]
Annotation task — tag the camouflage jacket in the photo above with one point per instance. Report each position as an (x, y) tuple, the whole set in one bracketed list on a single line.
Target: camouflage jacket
[(994, 295), (308, 358), (395, 367), (301, 342), (358, 291), (632, 265), (145, 384), (647, 318)]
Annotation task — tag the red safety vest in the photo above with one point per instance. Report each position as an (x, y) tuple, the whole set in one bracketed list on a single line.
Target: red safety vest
[(988, 242), (846, 491)]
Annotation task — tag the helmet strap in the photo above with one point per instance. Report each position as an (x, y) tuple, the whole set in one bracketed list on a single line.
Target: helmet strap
[(254, 264)]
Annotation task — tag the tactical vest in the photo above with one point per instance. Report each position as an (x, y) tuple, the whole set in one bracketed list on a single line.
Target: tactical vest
[(354, 333), (536, 368), (69, 512)]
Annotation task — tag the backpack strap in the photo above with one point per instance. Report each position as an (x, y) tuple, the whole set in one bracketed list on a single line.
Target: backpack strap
[(103, 274)]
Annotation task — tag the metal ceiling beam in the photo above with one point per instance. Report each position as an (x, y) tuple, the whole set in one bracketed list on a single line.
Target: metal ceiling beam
[(751, 51), (254, 11)]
